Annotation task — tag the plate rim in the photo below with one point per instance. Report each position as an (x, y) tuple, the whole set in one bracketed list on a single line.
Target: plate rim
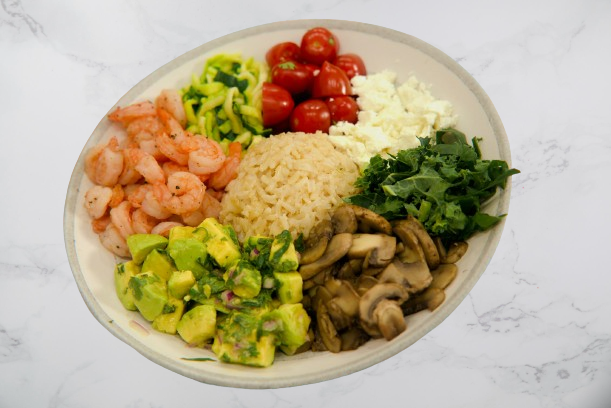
[(394, 347)]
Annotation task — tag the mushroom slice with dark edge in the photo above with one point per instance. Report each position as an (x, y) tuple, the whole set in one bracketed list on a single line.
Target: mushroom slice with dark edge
[(429, 299), (328, 332), (362, 244), (441, 248), (369, 221), (412, 251), (455, 252), (344, 305), (443, 275), (317, 344), (344, 220), (371, 271), (426, 242), (321, 297), (372, 298), (336, 249), (390, 319), (383, 254), (364, 283), (414, 277), (350, 269), (353, 338), (319, 278), (316, 243)]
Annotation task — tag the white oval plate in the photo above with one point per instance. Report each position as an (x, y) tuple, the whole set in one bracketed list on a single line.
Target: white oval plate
[(380, 48)]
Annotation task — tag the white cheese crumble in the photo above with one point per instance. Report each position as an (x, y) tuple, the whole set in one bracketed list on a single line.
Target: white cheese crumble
[(391, 118)]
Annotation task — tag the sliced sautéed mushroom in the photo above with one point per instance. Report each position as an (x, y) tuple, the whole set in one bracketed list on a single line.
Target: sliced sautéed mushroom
[(363, 275)]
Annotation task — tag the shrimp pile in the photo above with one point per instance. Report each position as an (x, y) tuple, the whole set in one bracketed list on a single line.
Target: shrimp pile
[(158, 177)]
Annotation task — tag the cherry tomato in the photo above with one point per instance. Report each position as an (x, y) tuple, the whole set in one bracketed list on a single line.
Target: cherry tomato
[(351, 64), (331, 81), (285, 51), (310, 116), (277, 104), (326, 31), (314, 69), (342, 108), (292, 76), (319, 45)]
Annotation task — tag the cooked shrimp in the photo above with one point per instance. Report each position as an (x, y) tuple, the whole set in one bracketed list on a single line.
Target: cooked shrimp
[(130, 113), (208, 158), (163, 228), (104, 166), (100, 224), (216, 194), (97, 199), (171, 167), (91, 160), (229, 170), (121, 217), (153, 207), (146, 165), (135, 193), (183, 193), (194, 218), (117, 196), (142, 223), (129, 175), (211, 207), (173, 141), (144, 128), (112, 240), (143, 132), (171, 101), (171, 149), (150, 147), (171, 125)]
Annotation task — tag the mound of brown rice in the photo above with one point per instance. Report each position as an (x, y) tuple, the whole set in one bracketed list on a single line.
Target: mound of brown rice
[(289, 181)]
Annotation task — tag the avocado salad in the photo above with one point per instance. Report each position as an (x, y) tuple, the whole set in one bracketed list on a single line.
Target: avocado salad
[(202, 285)]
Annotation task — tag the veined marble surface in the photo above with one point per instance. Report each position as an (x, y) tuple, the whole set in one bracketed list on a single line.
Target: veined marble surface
[(534, 332)]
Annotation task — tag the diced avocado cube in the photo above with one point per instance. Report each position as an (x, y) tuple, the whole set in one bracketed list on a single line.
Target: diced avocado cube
[(294, 327), (213, 228), (180, 282), (221, 242), (123, 273), (283, 256), (150, 294), (168, 320), (243, 279), (180, 232), (289, 286), (198, 325), (159, 263), (189, 254), (257, 353), (141, 244), (237, 341), (186, 232)]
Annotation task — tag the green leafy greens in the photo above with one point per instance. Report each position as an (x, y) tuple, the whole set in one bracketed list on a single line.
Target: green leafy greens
[(443, 184)]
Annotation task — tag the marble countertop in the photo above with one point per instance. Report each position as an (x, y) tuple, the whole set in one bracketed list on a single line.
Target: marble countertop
[(534, 332)]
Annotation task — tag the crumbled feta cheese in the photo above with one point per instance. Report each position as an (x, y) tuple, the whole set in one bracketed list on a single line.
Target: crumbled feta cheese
[(391, 118)]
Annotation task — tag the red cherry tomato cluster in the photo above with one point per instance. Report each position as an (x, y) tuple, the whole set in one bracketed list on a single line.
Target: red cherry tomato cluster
[(310, 84)]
